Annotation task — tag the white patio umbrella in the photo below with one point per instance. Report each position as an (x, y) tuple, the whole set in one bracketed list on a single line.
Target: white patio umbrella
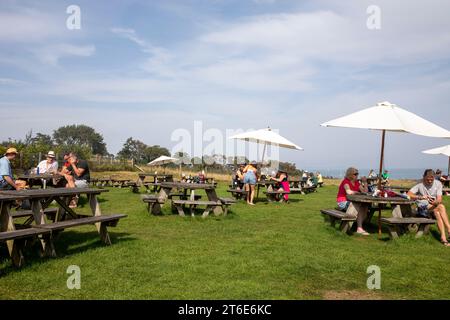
[(443, 151), (162, 161), (384, 117), (266, 137)]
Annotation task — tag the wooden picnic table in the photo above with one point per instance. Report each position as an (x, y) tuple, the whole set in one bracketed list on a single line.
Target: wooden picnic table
[(402, 210), (40, 199), (400, 189), (167, 187), (264, 183), (156, 179), (402, 206), (41, 179)]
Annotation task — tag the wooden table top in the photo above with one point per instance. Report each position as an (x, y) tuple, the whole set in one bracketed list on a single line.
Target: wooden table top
[(54, 192), (155, 175), (37, 176), (7, 197), (363, 198), (185, 185)]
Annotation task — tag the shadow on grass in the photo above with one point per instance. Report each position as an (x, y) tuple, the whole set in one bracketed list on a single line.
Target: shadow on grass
[(62, 242)]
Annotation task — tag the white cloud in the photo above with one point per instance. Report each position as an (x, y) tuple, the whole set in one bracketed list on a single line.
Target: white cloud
[(26, 25), (11, 82), (52, 54)]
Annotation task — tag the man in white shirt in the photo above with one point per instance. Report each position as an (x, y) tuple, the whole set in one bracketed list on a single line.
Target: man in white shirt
[(50, 165), (428, 195)]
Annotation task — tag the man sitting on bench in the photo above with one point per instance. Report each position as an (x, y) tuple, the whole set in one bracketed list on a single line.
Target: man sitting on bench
[(78, 177), (428, 196), (350, 185)]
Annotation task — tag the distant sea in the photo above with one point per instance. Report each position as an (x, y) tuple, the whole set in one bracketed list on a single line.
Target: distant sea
[(395, 173)]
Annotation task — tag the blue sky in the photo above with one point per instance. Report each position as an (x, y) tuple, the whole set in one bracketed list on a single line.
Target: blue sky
[(147, 68)]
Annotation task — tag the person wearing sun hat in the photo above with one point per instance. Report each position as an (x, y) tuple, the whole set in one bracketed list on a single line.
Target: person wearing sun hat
[(6, 176), (49, 165)]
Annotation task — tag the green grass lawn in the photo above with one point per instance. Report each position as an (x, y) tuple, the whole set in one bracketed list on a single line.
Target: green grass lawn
[(270, 251)]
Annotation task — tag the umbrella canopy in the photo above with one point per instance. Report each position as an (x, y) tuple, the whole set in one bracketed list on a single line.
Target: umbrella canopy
[(443, 151), (386, 116), (389, 117), (162, 160), (266, 137)]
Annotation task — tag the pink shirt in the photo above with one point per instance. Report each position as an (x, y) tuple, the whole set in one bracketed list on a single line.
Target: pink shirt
[(342, 194)]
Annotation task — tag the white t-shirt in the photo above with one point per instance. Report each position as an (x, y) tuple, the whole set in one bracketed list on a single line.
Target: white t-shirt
[(44, 167), (435, 190)]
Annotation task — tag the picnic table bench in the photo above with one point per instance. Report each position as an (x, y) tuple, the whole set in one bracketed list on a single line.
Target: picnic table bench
[(40, 199), (51, 214), (237, 193), (272, 195), (193, 204), (309, 189), (398, 226), (403, 217), (345, 222), (153, 204), (296, 191), (18, 239)]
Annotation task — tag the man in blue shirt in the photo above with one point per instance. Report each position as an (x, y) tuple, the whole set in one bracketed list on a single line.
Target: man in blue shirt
[(6, 177)]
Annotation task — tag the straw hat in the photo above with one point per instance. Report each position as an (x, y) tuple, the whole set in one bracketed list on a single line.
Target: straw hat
[(11, 151), (51, 154)]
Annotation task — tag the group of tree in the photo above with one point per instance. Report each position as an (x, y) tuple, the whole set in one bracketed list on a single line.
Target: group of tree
[(140, 152), (86, 142)]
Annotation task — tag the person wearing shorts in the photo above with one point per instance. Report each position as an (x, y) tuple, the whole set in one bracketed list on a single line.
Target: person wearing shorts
[(250, 178)]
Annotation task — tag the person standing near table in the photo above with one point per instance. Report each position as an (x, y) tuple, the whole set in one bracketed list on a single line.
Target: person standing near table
[(428, 196), (250, 179), (50, 165), (238, 179), (350, 185), (6, 176)]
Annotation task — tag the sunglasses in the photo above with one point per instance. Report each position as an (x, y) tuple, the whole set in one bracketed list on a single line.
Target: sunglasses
[(356, 174)]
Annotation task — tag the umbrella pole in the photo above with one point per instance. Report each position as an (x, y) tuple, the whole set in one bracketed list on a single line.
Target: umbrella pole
[(448, 173), (383, 139), (262, 163)]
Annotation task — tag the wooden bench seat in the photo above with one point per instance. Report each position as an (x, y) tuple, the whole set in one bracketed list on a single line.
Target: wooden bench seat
[(153, 204), (21, 234), (345, 222), (307, 189), (210, 205), (227, 200), (50, 212), (104, 221), (20, 237), (133, 185), (418, 226), (237, 194), (272, 195), (296, 191), (107, 220)]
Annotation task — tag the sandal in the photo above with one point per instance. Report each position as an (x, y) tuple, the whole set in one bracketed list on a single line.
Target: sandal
[(445, 243), (364, 233)]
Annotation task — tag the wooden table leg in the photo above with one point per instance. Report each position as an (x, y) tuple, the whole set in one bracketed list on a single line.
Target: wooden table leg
[(7, 224), (212, 196), (48, 248), (96, 211)]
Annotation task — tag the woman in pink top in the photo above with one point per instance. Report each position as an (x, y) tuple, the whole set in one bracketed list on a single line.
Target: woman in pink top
[(350, 185)]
